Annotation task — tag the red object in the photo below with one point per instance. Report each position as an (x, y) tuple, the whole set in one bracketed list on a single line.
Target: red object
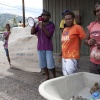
[(40, 18)]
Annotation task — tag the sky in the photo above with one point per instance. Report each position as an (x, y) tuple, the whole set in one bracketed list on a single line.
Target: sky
[(33, 8)]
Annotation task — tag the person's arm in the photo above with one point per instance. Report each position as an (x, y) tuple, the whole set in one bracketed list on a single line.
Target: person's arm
[(60, 54), (88, 41), (6, 36), (48, 32), (60, 57), (33, 30)]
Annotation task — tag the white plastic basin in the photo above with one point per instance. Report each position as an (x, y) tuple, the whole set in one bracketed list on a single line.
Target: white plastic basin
[(63, 88)]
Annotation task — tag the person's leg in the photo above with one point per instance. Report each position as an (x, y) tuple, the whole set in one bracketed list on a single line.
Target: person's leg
[(78, 64), (53, 72), (50, 63), (42, 63), (64, 67), (69, 66), (7, 54), (46, 73), (42, 72), (8, 58)]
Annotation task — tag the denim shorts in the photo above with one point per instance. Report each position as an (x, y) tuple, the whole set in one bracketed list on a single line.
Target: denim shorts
[(7, 52), (46, 59)]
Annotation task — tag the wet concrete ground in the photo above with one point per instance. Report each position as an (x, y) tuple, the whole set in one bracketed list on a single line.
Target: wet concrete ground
[(21, 85)]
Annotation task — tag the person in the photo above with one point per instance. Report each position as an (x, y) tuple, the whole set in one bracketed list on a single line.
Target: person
[(93, 40), (71, 43), (44, 33), (61, 27), (77, 20), (20, 24), (6, 38), (62, 23)]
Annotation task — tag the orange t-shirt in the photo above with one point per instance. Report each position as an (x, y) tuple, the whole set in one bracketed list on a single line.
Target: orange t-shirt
[(71, 41)]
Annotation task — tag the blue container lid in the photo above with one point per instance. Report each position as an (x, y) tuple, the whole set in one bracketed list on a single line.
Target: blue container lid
[(96, 94)]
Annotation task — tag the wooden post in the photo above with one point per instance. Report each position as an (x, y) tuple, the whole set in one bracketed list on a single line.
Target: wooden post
[(23, 9)]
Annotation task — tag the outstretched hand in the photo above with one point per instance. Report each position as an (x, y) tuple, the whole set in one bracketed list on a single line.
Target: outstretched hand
[(40, 24), (92, 42)]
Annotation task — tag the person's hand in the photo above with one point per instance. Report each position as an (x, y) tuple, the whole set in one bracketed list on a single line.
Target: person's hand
[(98, 45), (59, 59), (91, 42), (40, 24)]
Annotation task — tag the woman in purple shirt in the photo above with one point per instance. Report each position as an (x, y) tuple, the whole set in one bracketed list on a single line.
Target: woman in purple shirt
[(6, 37), (44, 31)]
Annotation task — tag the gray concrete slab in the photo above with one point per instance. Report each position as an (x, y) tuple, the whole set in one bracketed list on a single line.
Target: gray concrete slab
[(22, 85)]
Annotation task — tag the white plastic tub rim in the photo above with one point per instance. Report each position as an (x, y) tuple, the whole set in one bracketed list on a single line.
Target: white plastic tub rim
[(64, 87), (49, 89), (49, 95)]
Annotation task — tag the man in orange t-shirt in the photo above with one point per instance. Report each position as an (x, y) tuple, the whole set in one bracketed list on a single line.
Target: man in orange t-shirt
[(71, 42)]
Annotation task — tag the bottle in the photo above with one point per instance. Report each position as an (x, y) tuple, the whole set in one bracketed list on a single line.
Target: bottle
[(94, 96)]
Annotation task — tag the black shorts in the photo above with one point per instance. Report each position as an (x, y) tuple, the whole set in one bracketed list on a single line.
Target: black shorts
[(94, 68)]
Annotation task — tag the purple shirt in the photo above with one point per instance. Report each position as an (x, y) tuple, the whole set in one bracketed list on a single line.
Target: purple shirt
[(45, 42), (6, 41)]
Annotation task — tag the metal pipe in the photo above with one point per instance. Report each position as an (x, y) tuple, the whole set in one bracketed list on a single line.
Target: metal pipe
[(23, 9)]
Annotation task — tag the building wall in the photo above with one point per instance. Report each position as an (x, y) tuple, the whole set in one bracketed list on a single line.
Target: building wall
[(56, 7)]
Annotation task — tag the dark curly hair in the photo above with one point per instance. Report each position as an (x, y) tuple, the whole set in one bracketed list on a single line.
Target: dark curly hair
[(96, 5), (70, 13)]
